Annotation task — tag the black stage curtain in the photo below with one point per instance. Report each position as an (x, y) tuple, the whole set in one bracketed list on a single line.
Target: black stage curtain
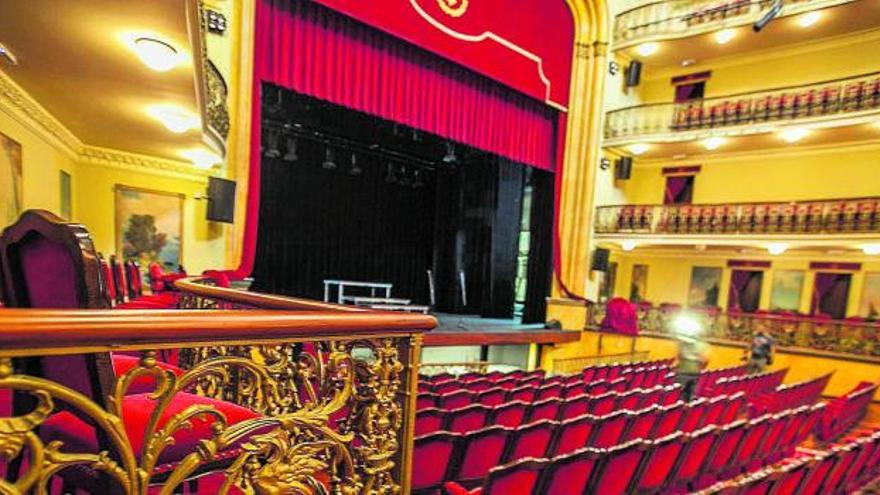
[(318, 224), (540, 267)]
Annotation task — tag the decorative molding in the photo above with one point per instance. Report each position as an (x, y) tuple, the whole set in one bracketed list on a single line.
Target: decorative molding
[(28, 112), (782, 152)]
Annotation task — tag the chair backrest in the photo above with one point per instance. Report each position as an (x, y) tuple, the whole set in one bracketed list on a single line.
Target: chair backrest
[(641, 423), (482, 450), (525, 393), (660, 460), (49, 263), (570, 474), (426, 399), (455, 400), (545, 409), (467, 418), (429, 420), (693, 416), (531, 440), (699, 444), (609, 430), (603, 404), (790, 476), (551, 391), (432, 458), (573, 407), (728, 441), (120, 281), (756, 430), (520, 477), (617, 472), (135, 278), (714, 409), (511, 414), (574, 434), (447, 386), (491, 397)]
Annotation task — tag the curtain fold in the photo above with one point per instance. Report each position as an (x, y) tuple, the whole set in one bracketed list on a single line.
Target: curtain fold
[(674, 188), (824, 283), (738, 281)]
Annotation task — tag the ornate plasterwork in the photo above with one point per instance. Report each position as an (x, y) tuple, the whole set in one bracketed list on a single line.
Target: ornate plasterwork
[(22, 107)]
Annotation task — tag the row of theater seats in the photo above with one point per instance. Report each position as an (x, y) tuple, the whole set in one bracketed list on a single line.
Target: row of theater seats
[(656, 409), (788, 396), (843, 468), (672, 464), (708, 378), (122, 285), (845, 412), (752, 385)]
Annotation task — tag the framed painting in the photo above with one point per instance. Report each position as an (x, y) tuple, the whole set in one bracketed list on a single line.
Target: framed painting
[(149, 226), (870, 306), (638, 287), (786, 292), (609, 279), (705, 286), (10, 180)]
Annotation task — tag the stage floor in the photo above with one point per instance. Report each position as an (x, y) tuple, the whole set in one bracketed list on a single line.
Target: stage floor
[(455, 329)]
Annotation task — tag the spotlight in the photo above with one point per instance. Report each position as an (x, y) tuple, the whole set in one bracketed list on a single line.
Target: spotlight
[(450, 153), (713, 143), (355, 168), (793, 135), (776, 248), (328, 164), (290, 156), (639, 148), (647, 49), (724, 36), (628, 245), (156, 54), (272, 150)]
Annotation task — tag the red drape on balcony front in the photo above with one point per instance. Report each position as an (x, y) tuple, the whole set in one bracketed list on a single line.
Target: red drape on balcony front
[(313, 50)]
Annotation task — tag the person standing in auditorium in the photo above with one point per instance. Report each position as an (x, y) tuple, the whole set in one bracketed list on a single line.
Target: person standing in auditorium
[(760, 352), (692, 355)]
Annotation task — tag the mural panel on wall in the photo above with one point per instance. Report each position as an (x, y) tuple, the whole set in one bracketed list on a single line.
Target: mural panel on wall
[(638, 288), (10, 180), (870, 307), (149, 226), (787, 288), (705, 286)]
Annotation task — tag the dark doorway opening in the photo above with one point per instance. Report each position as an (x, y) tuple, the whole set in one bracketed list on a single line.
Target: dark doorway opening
[(745, 290), (345, 195), (679, 190), (830, 294)]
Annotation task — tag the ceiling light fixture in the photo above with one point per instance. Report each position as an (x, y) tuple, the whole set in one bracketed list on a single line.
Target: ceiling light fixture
[(647, 49), (450, 153), (793, 135), (628, 245), (688, 62), (155, 54), (713, 143), (290, 155), (776, 248), (724, 36), (808, 19), (355, 169), (871, 249), (201, 158), (7, 54), (328, 164), (178, 120), (639, 148)]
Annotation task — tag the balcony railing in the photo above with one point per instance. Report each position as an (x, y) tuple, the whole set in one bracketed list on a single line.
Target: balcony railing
[(792, 333), (678, 18), (330, 394), (822, 100), (844, 216)]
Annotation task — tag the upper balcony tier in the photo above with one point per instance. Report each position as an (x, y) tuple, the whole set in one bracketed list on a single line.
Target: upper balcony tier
[(685, 29), (826, 104)]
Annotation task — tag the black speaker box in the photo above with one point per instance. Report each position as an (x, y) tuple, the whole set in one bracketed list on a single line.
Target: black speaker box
[(633, 74), (600, 260), (623, 169)]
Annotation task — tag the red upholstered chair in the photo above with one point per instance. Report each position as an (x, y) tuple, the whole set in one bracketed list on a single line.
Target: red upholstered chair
[(520, 477), (574, 434), (552, 391), (668, 419), (573, 389), (603, 404), (573, 379), (618, 385), (507, 383), (735, 405), (790, 476), (426, 399), (651, 397), (455, 400), (714, 409), (616, 474), (747, 451), (693, 415), (482, 450), (432, 461), (629, 400), (671, 394), (511, 414), (467, 418), (478, 385), (441, 377), (698, 446), (609, 430), (545, 409), (531, 440), (570, 473), (491, 397), (846, 456), (727, 442), (598, 387), (659, 465), (49, 263), (429, 420), (573, 407), (588, 374), (525, 393), (600, 372), (769, 445), (469, 377), (818, 469), (447, 386), (641, 423)]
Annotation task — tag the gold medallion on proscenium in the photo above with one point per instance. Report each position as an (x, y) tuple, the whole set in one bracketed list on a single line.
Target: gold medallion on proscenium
[(453, 8)]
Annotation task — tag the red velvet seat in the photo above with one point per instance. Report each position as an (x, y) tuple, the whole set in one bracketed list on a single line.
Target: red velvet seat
[(545, 409), (429, 420), (570, 473), (669, 417), (432, 460), (491, 397), (693, 415), (481, 451), (531, 440), (516, 478), (697, 449), (609, 430), (478, 385), (790, 477), (629, 400), (525, 393), (573, 389), (726, 444), (573, 407), (447, 387), (616, 474), (659, 465), (467, 418), (755, 431), (603, 404), (122, 363), (574, 434), (598, 387), (511, 414), (651, 397), (551, 391), (714, 409), (508, 383), (426, 399), (735, 404), (455, 400), (641, 423)]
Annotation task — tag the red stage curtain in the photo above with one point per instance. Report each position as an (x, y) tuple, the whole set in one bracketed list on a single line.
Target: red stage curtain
[(313, 50)]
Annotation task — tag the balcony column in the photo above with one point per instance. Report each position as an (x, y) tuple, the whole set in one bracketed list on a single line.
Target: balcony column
[(580, 159)]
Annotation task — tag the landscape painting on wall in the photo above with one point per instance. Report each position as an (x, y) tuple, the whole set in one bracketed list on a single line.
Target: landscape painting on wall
[(705, 286), (870, 307), (149, 226), (10, 181), (787, 288), (638, 288)]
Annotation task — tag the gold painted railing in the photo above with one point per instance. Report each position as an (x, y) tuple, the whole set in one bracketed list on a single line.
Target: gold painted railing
[(820, 100), (858, 215), (852, 337), (333, 392), (679, 18)]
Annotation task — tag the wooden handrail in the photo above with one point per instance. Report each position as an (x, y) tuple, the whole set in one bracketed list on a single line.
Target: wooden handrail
[(194, 286), (39, 331), (746, 203)]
